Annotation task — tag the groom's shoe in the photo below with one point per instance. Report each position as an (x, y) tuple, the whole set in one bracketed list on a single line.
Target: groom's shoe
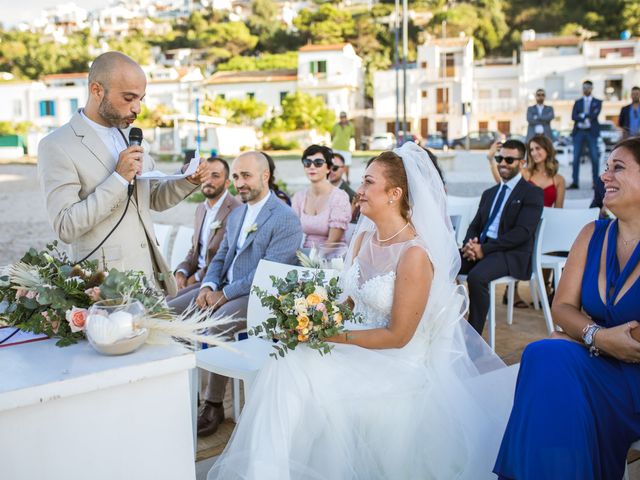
[(209, 419)]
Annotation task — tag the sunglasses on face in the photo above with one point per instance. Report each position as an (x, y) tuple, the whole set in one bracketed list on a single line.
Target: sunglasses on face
[(335, 168), (316, 162), (509, 160)]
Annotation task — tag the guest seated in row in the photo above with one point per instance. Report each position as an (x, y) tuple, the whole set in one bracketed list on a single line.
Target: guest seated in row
[(208, 231), (263, 228), (324, 210), (500, 238), (576, 410), (336, 177), (542, 171)]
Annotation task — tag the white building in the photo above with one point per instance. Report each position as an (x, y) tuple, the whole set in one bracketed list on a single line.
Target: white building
[(333, 72), (500, 90)]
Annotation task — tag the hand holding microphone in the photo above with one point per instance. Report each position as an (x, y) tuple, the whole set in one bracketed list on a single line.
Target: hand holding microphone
[(130, 159)]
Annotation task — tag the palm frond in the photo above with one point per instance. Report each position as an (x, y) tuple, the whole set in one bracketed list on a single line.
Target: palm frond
[(25, 276)]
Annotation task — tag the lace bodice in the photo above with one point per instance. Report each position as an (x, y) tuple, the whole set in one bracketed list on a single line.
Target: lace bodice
[(370, 280)]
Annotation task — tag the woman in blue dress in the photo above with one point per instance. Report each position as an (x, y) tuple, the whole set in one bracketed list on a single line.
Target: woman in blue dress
[(576, 410)]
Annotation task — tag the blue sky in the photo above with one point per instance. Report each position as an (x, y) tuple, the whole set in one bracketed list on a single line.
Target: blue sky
[(14, 12)]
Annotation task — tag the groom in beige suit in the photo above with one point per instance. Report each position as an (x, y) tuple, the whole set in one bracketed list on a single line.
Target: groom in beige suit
[(86, 166)]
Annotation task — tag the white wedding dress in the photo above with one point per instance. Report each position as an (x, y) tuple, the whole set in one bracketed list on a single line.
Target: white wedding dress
[(368, 414), (432, 410)]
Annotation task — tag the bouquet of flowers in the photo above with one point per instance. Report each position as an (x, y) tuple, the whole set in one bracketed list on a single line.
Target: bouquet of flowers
[(305, 310), (46, 293)]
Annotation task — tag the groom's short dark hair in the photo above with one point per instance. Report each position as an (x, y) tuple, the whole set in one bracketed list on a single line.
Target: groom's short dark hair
[(516, 145)]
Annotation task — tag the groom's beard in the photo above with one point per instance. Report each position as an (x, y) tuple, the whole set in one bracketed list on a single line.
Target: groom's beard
[(108, 113), (211, 192)]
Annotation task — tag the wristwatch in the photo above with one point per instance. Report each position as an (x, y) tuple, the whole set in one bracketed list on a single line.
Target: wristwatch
[(588, 337)]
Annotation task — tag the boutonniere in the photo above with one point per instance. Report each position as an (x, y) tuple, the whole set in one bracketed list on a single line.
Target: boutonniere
[(215, 225), (251, 228)]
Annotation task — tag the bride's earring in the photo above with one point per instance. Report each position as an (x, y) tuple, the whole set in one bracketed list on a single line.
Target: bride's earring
[(390, 202)]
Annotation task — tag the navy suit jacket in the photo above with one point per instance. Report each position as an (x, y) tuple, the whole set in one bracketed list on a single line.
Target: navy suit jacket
[(594, 111), (517, 227), (624, 121)]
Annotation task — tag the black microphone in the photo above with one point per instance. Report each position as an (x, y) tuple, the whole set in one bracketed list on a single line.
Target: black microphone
[(135, 138)]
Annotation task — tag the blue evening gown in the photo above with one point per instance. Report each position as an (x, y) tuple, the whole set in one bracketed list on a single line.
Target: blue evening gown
[(575, 416)]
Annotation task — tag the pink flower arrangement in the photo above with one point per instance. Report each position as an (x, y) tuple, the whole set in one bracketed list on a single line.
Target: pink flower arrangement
[(77, 318)]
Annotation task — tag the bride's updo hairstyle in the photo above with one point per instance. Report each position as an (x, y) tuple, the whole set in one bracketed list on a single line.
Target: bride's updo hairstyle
[(396, 177)]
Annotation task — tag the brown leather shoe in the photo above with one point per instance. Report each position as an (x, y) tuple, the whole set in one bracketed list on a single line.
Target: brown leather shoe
[(209, 419)]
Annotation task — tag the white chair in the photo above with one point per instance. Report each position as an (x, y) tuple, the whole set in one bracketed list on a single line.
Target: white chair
[(466, 207), (253, 352), (455, 223), (163, 235), (562, 227), (635, 446), (536, 280), (577, 203), (181, 245)]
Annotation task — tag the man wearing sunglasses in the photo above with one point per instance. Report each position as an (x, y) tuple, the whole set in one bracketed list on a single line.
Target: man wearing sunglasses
[(539, 117), (629, 120), (499, 240), (336, 176)]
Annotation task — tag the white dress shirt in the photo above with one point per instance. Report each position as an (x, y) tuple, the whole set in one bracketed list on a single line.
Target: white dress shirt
[(249, 220), (539, 129), (492, 231), (211, 212), (112, 139), (585, 124)]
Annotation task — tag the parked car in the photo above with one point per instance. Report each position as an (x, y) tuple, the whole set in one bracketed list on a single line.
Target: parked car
[(610, 133), (382, 141), (435, 141), (477, 140)]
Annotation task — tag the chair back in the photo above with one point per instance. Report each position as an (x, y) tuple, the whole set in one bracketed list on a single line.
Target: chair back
[(536, 257), (466, 208), (563, 226), (256, 313), (163, 235), (181, 246), (577, 203), (455, 223)]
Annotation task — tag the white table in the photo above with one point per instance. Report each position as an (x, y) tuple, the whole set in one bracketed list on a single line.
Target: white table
[(70, 413)]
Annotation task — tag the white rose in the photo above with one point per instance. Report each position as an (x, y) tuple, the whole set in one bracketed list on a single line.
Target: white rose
[(300, 306), (322, 292)]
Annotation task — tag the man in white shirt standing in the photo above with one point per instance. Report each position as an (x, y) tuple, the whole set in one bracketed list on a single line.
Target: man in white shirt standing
[(210, 222), (264, 228), (500, 238), (539, 117)]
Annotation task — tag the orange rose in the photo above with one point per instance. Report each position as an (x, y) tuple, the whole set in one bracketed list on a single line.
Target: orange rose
[(338, 318), (77, 318), (303, 338), (303, 321)]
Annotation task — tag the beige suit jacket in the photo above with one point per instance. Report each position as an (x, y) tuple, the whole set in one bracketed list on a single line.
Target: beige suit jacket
[(190, 263), (84, 201)]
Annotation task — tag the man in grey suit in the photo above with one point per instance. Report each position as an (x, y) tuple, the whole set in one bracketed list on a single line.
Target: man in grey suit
[(539, 117), (264, 228), (87, 173)]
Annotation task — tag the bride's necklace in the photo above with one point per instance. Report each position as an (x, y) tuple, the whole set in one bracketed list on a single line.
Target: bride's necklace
[(629, 242), (392, 236)]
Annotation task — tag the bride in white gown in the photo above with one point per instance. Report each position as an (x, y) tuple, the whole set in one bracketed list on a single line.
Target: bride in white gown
[(402, 398)]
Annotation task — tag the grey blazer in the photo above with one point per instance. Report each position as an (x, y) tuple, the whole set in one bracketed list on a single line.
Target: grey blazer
[(534, 119), (277, 238)]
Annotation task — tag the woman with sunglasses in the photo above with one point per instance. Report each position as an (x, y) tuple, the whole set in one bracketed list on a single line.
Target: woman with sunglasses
[(324, 210)]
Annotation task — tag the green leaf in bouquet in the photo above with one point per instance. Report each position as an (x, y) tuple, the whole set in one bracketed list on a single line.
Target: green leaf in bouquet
[(292, 276)]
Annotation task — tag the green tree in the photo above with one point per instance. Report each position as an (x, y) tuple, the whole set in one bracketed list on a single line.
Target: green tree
[(329, 24), (136, 47), (268, 61), (154, 118), (15, 128), (238, 111), (301, 111)]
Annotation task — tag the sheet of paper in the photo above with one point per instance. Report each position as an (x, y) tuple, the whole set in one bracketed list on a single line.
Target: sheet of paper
[(158, 175), (14, 337)]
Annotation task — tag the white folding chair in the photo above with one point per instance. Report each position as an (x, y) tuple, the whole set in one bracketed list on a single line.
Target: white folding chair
[(181, 245), (253, 352), (634, 446), (455, 223), (466, 207), (577, 203), (562, 227), (163, 235), (536, 280)]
